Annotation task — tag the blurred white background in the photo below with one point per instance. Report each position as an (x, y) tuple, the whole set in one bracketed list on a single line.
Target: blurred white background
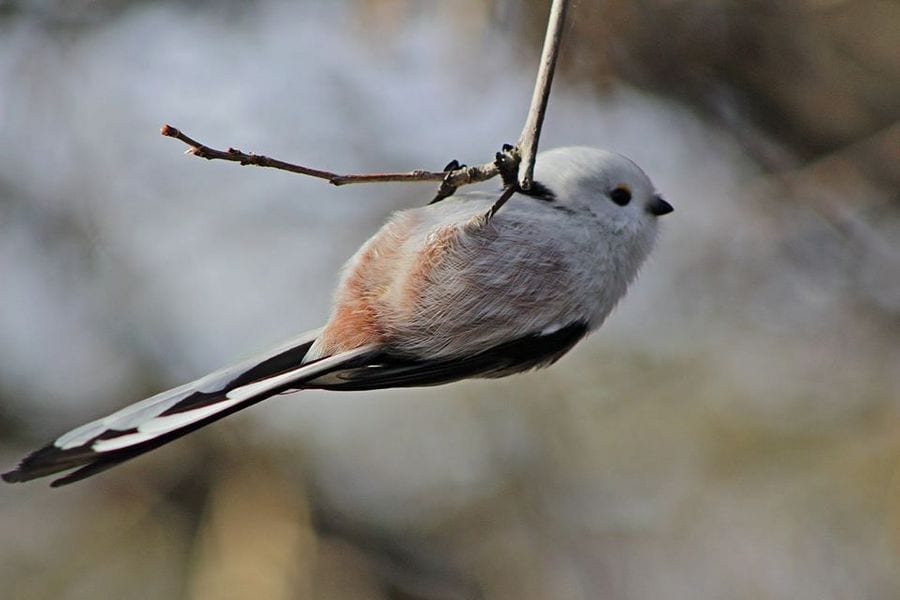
[(733, 431)]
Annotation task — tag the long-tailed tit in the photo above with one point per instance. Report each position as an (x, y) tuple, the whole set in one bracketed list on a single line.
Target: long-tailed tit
[(440, 293)]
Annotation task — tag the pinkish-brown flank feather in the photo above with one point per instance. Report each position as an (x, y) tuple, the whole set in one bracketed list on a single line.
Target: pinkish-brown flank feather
[(356, 319)]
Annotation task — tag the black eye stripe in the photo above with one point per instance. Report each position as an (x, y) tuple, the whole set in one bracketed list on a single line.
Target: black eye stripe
[(540, 191), (621, 195)]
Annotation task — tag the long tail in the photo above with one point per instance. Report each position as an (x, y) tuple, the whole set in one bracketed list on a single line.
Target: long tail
[(149, 424), (158, 420)]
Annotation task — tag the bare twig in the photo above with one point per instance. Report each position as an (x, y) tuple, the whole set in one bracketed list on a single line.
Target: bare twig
[(512, 160), (508, 191), (528, 140), (453, 178)]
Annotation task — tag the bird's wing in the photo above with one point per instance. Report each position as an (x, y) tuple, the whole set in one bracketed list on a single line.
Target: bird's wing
[(150, 423), (387, 369)]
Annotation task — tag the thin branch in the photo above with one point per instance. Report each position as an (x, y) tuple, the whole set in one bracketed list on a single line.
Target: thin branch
[(512, 160), (508, 191), (452, 178), (531, 133)]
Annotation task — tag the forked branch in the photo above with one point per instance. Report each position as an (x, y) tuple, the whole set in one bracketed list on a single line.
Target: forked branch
[(453, 176)]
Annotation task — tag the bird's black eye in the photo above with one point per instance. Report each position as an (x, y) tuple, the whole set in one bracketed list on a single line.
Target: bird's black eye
[(621, 195)]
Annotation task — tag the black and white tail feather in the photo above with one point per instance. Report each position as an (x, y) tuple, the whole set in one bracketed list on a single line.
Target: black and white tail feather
[(158, 420)]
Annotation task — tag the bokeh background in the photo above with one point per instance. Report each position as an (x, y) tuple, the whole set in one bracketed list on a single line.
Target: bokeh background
[(732, 432)]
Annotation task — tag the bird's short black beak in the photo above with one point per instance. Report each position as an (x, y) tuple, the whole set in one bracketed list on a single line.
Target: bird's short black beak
[(658, 207)]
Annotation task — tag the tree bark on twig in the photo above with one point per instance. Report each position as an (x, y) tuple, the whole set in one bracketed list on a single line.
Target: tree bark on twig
[(522, 156), (456, 176), (531, 132)]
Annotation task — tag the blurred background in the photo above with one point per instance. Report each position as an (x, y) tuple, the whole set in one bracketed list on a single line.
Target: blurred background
[(733, 431)]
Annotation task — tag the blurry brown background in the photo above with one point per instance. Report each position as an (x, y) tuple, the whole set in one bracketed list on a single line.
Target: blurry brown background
[(733, 431)]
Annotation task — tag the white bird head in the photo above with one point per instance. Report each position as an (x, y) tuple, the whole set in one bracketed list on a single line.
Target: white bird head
[(604, 183)]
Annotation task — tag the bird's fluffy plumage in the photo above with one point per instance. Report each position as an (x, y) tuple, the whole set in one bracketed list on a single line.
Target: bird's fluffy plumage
[(440, 293)]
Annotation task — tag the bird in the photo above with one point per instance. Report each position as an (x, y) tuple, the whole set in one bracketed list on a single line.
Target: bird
[(440, 293)]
